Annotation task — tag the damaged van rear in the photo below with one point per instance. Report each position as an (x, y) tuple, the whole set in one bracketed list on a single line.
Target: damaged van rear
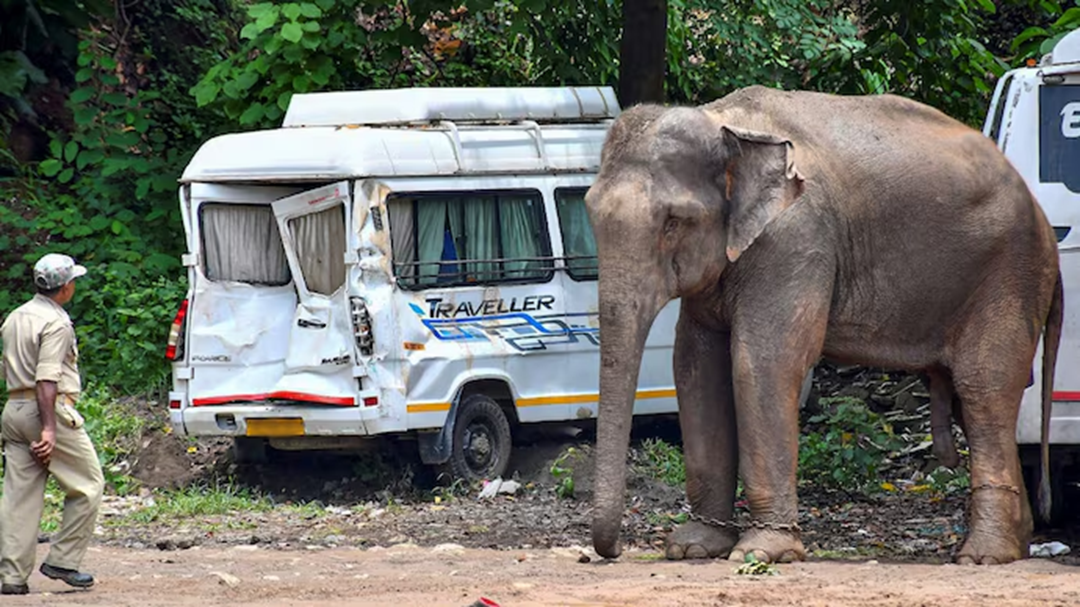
[(415, 263)]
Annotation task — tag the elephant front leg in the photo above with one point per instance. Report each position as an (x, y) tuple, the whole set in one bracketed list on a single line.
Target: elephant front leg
[(707, 418), (768, 375)]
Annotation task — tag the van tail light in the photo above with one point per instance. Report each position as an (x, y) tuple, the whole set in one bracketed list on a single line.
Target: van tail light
[(361, 322), (175, 349)]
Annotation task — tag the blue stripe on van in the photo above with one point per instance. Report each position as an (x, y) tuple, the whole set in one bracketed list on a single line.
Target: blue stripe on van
[(1062, 232)]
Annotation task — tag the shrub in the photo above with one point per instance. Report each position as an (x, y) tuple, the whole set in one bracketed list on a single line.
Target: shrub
[(845, 446)]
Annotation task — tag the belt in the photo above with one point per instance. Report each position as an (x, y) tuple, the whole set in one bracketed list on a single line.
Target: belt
[(31, 394)]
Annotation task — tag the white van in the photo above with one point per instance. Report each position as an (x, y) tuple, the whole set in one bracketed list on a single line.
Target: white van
[(401, 262), (1035, 119)]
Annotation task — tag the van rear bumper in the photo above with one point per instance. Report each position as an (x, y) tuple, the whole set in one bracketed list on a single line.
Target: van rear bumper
[(232, 420)]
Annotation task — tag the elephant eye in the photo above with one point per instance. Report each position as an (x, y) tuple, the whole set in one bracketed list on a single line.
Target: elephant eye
[(671, 225)]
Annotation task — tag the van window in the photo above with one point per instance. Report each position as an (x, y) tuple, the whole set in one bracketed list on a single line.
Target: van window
[(456, 239), (579, 245), (999, 111), (241, 243), (320, 248)]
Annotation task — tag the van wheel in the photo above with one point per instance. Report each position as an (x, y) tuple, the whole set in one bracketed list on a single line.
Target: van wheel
[(249, 450), (481, 447)]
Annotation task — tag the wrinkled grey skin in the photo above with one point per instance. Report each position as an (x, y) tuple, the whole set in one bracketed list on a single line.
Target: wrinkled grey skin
[(796, 225)]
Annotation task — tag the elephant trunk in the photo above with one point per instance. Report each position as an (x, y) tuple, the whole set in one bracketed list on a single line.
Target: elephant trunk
[(626, 314)]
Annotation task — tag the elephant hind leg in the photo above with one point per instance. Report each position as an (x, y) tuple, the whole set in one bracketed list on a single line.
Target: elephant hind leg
[(990, 381), (941, 402)]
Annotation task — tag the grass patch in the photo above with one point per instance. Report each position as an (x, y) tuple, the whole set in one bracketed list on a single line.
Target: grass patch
[(201, 500), (305, 510)]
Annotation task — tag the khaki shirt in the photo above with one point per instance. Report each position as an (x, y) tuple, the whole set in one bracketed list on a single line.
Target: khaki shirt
[(39, 345)]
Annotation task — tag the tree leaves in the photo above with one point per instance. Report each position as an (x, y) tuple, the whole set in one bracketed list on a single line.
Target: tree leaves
[(292, 32)]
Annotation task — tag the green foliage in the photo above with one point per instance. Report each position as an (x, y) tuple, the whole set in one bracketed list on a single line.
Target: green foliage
[(845, 446), (123, 323), (662, 461), (931, 51), (119, 204), (35, 37), (563, 473)]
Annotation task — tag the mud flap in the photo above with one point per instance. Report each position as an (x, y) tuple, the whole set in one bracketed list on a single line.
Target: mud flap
[(435, 447)]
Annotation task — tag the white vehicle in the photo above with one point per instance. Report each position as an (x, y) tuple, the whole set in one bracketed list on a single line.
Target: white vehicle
[(404, 262), (1035, 119)]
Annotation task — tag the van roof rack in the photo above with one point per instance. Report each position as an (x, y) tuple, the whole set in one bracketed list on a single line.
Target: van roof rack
[(415, 106)]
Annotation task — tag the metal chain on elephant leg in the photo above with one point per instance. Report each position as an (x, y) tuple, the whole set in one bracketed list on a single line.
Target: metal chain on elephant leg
[(712, 522), (1009, 488)]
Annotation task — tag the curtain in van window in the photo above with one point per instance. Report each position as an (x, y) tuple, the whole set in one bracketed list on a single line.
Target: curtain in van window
[(241, 243), (481, 238), (520, 233), (430, 234), (402, 238), (320, 248), (578, 239)]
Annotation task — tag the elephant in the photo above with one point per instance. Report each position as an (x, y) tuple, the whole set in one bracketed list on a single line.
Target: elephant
[(795, 226)]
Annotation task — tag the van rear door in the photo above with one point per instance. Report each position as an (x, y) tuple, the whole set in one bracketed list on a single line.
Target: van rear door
[(242, 298), (314, 227)]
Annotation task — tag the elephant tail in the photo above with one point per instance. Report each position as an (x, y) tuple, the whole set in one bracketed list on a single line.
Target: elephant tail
[(1051, 340)]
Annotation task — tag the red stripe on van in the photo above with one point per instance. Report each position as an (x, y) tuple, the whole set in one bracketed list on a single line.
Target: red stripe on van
[(224, 400), (344, 401), (1067, 396)]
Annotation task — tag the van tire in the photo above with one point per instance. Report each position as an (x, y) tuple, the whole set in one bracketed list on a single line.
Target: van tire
[(481, 446), (249, 450)]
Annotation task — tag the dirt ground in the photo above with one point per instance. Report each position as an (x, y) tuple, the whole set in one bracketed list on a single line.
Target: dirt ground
[(453, 576)]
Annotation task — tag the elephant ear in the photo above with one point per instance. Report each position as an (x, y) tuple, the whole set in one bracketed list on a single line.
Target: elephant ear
[(760, 181)]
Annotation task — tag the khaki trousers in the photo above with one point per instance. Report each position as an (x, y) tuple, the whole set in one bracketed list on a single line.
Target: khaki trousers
[(77, 470)]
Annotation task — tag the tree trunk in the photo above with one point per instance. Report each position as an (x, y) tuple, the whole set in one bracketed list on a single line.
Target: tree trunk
[(643, 52)]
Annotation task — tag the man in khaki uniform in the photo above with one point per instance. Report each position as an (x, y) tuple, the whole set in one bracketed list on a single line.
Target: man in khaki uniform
[(43, 434)]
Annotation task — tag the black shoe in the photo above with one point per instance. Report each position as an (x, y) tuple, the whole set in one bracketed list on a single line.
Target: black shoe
[(14, 589), (68, 576)]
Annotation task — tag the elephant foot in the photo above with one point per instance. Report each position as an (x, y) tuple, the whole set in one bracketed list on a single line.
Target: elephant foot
[(769, 547), (1000, 526), (989, 549), (695, 540)]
